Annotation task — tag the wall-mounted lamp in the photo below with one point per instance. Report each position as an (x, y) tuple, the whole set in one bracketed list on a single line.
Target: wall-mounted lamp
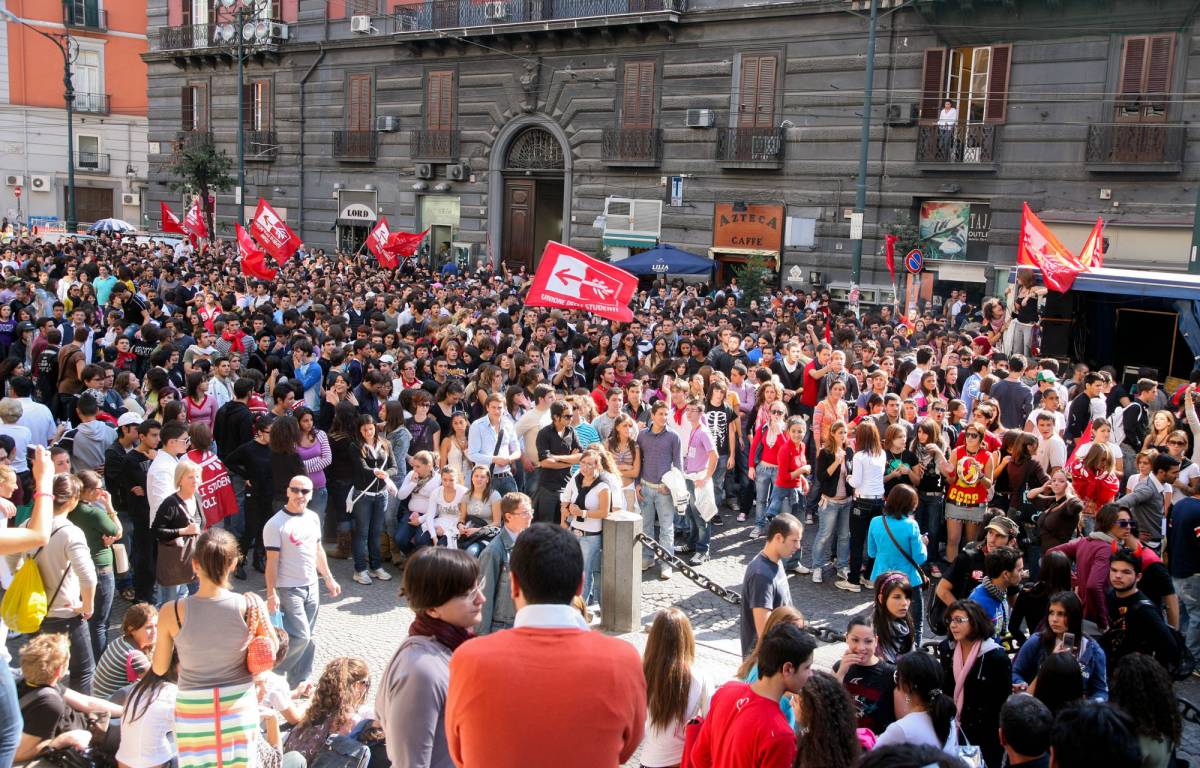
[(420, 186), (441, 186), (739, 206)]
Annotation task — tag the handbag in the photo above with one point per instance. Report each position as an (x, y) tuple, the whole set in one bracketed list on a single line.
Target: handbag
[(911, 560), (174, 562), (342, 752), (263, 645), (968, 752)]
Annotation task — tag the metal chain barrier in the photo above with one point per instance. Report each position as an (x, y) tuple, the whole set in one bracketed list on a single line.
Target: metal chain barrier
[(822, 633)]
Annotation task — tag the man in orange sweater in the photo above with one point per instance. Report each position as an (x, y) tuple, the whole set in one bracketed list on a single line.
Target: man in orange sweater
[(548, 692)]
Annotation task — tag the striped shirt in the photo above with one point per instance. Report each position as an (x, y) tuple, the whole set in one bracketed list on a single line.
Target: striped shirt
[(112, 673)]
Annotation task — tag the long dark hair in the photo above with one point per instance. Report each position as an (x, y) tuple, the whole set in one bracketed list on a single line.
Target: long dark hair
[(921, 674), (1140, 686), (345, 421), (1059, 682), (829, 739), (285, 434), (1074, 609), (1054, 575), (885, 585), (145, 690)]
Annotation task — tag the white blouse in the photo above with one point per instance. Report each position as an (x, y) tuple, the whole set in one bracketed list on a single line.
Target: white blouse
[(866, 473), (149, 741)]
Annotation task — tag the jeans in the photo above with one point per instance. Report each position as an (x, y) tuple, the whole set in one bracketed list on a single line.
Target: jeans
[(503, 483), (106, 585), (236, 523), (862, 511), (784, 500), (368, 529), (1189, 611), (410, 537), (591, 546), (931, 518), (1021, 339), (833, 517), (657, 506), (718, 481), (700, 530), (1087, 523), (299, 608), (319, 503), (531, 482), (82, 664), (177, 592), (916, 609), (10, 716), (764, 484)]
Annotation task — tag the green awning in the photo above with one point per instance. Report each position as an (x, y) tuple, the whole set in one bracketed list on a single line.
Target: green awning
[(631, 241)]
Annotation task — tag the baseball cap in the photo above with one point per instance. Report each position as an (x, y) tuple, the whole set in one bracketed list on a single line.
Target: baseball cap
[(1047, 376), (25, 325), (387, 359), (128, 418), (1002, 524)]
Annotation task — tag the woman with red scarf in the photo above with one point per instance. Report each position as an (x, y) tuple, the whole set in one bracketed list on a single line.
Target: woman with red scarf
[(442, 586)]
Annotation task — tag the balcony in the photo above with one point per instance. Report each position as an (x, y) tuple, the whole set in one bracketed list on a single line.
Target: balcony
[(416, 21), (260, 146), (190, 139), (961, 148), (87, 17), (632, 147), (434, 146), (91, 162), (1136, 148), (222, 38), (751, 147), (91, 103), (355, 146)]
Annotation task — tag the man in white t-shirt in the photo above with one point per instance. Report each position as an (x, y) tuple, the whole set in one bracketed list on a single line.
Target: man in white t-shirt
[(1051, 451), (295, 558)]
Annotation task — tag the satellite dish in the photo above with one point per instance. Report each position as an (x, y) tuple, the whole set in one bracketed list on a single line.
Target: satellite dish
[(248, 31)]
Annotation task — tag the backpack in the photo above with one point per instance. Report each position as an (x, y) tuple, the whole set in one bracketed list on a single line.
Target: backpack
[(25, 604), (1118, 423)]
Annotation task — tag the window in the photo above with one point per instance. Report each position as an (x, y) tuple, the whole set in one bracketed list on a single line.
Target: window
[(637, 95), (1145, 87), (194, 107), (87, 76), (755, 98), (88, 151), (84, 13), (360, 102), (975, 80), (256, 105), (441, 100)]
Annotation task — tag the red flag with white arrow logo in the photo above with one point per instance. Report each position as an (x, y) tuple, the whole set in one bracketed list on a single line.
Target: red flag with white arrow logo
[(254, 261), (170, 222), (405, 244), (193, 222), (570, 279), (276, 236), (377, 242)]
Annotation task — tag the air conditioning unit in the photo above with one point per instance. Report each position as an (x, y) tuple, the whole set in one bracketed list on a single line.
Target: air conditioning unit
[(424, 171), (387, 123), (14, 180), (278, 32), (360, 24), (41, 183), (131, 198), (900, 115), (496, 11), (701, 118), (457, 172)]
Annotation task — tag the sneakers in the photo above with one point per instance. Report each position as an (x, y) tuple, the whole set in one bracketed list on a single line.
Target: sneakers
[(362, 577), (818, 576), (664, 573), (867, 583), (718, 520), (844, 574), (799, 570), (756, 532), (847, 585), (381, 574), (741, 518), (700, 558), (684, 550)]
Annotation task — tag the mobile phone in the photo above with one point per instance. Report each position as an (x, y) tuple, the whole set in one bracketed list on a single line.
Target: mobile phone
[(1069, 641)]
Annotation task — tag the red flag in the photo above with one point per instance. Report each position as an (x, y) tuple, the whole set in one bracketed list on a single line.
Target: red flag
[(377, 242), (1040, 248), (1092, 254), (193, 222), (276, 236), (170, 222), (570, 279), (828, 335), (215, 491), (1084, 439), (405, 244), (889, 249), (253, 259)]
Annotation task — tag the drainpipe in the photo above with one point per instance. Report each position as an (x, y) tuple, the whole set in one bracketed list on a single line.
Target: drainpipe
[(307, 74)]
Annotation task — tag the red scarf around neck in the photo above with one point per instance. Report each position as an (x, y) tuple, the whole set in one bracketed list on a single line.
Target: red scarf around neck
[(445, 633)]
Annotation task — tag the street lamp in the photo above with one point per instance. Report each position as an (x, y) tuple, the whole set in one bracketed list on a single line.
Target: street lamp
[(63, 43)]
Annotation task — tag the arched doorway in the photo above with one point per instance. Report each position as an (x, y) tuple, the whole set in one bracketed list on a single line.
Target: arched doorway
[(530, 190)]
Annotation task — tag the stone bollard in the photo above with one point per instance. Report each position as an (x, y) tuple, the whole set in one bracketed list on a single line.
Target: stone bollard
[(621, 573)]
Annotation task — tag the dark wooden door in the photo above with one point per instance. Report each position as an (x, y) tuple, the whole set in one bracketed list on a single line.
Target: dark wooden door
[(92, 204), (518, 223)]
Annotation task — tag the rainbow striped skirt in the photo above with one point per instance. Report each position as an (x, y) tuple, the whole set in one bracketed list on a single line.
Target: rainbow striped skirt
[(217, 727)]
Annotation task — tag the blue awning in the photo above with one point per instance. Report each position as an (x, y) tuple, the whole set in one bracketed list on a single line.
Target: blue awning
[(666, 260)]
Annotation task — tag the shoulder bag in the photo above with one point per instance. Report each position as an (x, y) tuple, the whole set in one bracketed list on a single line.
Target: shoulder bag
[(173, 565), (911, 560), (342, 752)]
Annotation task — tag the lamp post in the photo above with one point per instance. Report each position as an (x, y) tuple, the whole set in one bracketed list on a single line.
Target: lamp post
[(240, 32), (63, 43), (864, 148)]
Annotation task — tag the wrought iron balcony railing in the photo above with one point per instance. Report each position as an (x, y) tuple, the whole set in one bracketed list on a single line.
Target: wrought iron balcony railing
[(446, 14), (91, 103), (265, 33), (751, 145), (260, 146), (91, 162), (633, 146), (440, 145), (959, 145), (356, 146), (1136, 146)]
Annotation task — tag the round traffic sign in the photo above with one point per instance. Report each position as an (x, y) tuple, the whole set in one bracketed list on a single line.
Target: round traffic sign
[(17, 191), (914, 262)]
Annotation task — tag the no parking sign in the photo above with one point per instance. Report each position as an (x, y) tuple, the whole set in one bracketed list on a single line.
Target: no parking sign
[(914, 262)]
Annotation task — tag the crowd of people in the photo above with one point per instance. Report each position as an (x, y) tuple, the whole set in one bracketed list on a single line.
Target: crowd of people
[(168, 424)]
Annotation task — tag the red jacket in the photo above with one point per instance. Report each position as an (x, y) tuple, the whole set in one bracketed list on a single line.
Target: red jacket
[(1091, 556), (744, 730), (791, 457)]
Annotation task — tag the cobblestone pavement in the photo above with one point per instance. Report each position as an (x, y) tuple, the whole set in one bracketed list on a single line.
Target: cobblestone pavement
[(370, 621)]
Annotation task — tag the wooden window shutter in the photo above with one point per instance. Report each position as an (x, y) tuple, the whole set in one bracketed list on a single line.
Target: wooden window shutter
[(266, 106), (358, 113), (1133, 75), (747, 91), (187, 111), (248, 106), (932, 79), (997, 98), (1160, 57), (201, 91), (756, 96), (439, 101), (637, 107)]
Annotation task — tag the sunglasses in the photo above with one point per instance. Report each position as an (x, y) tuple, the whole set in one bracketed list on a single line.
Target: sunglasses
[(975, 435), (1176, 442), (299, 491), (1124, 523)]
